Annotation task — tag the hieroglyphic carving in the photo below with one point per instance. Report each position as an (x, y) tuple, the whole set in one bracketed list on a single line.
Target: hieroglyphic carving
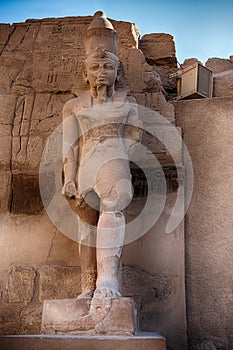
[(59, 70), (53, 147), (21, 129), (57, 29), (53, 67), (73, 34)]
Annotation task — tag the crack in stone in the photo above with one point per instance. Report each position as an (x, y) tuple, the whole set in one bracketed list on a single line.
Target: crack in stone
[(30, 120), (20, 128), (51, 245), (25, 34), (8, 39)]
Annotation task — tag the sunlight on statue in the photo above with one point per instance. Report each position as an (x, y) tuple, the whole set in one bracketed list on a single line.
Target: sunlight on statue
[(97, 179)]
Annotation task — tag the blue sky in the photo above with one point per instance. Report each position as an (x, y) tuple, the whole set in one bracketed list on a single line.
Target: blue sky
[(201, 29)]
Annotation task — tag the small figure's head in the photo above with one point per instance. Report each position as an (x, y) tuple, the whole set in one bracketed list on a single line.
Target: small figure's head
[(101, 68)]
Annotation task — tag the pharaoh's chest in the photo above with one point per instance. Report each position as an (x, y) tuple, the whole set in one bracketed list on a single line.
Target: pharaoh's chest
[(101, 115)]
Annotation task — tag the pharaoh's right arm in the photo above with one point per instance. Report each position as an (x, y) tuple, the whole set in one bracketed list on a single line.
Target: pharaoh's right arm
[(70, 149)]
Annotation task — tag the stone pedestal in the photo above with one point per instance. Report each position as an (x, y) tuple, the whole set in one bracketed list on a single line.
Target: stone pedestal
[(98, 324), (90, 317), (145, 341)]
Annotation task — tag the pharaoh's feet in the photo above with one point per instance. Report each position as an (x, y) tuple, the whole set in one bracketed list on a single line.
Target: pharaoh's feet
[(107, 289)]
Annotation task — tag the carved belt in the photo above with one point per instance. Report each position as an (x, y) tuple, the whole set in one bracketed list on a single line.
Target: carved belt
[(103, 133)]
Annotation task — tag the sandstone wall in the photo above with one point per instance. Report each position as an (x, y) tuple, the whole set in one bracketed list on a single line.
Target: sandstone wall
[(41, 69), (207, 129)]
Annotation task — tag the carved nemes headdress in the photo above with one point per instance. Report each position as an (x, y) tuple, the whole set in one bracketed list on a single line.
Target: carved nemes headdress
[(101, 53)]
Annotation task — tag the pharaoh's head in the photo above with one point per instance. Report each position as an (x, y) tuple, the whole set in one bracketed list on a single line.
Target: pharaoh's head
[(102, 65), (101, 68)]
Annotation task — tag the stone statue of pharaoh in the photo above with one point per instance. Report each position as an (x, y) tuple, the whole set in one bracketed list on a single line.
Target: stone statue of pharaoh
[(96, 170)]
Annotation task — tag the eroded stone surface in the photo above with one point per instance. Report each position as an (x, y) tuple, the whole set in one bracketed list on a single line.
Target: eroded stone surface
[(20, 318), (139, 73), (207, 127), (59, 282), (30, 319), (89, 316), (148, 291), (159, 49), (21, 284), (209, 342), (190, 61), (5, 31), (218, 65), (223, 84)]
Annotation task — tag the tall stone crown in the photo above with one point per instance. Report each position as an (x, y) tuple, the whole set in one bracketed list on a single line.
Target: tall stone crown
[(100, 33)]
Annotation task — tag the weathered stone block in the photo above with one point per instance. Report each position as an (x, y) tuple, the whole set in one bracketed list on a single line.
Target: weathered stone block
[(18, 318), (59, 282), (190, 61), (89, 316), (218, 65), (223, 84), (159, 49), (128, 33), (139, 73), (31, 319), (21, 284)]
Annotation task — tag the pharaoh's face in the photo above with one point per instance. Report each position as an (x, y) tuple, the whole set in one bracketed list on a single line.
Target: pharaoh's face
[(101, 72)]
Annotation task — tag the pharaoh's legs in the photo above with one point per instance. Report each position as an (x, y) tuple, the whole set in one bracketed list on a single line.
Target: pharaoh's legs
[(101, 255), (115, 194), (110, 240), (89, 214)]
